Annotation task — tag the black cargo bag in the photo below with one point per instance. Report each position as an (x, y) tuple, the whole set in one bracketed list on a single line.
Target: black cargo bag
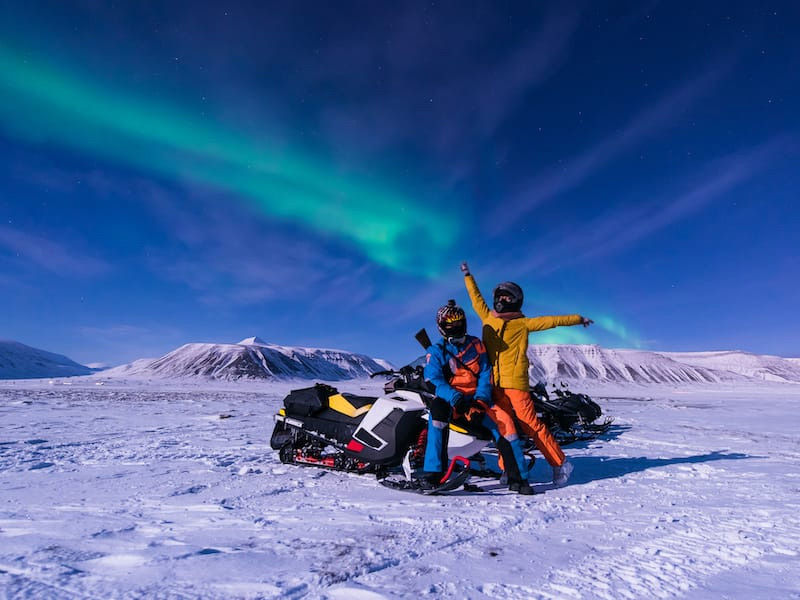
[(308, 401)]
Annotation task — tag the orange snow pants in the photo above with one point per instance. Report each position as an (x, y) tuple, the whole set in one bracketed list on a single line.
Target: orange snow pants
[(519, 403), (504, 420)]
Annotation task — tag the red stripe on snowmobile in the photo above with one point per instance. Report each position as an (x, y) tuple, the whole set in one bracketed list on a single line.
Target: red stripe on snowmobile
[(355, 446), (461, 459), (329, 462)]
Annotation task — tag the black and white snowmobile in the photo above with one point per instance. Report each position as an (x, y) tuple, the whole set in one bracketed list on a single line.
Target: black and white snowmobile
[(570, 417), (385, 435)]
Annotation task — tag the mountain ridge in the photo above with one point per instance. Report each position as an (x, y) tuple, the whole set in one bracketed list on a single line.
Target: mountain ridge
[(252, 359), (550, 362), (20, 361)]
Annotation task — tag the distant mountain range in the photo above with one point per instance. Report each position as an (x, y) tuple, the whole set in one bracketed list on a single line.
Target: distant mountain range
[(252, 358), (554, 362), (18, 361)]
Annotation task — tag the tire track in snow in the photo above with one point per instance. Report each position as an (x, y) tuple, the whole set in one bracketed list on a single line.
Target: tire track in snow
[(671, 565), (414, 560)]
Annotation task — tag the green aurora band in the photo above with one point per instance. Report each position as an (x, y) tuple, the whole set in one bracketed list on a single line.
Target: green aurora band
[(581, 335), (43, 105)]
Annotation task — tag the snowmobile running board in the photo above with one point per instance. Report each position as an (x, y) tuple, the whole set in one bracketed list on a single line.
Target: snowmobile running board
[(450, 482)]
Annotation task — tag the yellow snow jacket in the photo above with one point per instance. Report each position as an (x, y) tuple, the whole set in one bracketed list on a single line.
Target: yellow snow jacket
[(505, 336)]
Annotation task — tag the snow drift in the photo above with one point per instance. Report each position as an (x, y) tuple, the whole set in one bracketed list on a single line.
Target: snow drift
[(252, 358), (18, 361)]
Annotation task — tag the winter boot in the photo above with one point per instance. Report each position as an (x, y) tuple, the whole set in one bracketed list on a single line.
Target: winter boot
[(521, 487), (429, 481), (561, 474)]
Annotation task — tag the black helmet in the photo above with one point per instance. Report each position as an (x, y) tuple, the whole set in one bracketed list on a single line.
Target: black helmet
[(513, 291), (451, 320)]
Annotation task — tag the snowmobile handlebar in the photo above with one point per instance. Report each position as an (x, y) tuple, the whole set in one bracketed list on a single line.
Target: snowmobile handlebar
[(403, 372), (387, 372)]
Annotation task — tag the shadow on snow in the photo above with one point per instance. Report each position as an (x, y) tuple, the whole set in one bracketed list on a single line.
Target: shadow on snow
[(593, 468)]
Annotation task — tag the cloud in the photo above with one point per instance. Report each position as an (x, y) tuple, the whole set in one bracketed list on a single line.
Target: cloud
[(226, 255), (449, 87), (563, 177), (498, 90), (114, 331), (621, 229), (51, 255), (120, 342)]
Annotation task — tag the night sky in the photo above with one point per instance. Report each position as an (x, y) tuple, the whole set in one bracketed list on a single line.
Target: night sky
[(313, 173)]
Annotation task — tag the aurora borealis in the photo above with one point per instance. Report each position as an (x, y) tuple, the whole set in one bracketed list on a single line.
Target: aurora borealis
[(315, 174), (42, 104)]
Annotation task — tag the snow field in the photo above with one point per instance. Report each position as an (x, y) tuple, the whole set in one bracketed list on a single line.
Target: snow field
[(139, 492)]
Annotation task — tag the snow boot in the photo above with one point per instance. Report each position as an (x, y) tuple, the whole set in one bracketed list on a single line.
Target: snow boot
[(521, 487), (561, 474), (429, 481)]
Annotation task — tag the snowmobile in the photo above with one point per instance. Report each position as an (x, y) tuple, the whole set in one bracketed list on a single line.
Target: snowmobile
[(387, 435), (570, 417)]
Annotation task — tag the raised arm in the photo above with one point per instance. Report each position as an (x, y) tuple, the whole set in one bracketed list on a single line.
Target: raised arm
[(478, 303)]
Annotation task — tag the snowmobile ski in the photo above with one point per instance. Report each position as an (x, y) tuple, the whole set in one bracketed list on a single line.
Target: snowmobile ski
[(410, 485), (452, 480)]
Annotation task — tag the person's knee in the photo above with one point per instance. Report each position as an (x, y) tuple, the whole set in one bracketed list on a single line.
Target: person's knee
[(440, 410), (507, 428)]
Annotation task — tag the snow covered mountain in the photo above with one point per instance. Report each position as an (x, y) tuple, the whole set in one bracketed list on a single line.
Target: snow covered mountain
[(252, 358), (553, 362), (18, 361), (757, 366)]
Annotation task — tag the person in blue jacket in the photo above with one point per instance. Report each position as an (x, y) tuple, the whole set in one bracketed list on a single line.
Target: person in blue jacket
[(459, 368)]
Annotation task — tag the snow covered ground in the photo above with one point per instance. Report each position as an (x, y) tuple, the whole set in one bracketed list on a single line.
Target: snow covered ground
[(129, 491)]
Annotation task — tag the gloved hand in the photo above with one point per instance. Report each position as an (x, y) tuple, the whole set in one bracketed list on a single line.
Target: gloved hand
[(484, 404), (475, 413), (461, 404), (465, 268), (586, 322)]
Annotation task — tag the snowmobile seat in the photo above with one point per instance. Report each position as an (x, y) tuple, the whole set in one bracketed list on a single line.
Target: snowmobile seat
[(346, 407), (359, 402), (308, 401)]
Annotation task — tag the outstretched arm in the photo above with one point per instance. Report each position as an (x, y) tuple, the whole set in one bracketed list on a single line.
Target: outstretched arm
[(475, 296), (540, 323)]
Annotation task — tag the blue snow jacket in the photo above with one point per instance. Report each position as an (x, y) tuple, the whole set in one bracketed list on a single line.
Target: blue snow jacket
[(460, 370)]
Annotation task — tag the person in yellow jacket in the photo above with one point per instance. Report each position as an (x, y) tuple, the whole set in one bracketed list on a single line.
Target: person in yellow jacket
[(505, 335)]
